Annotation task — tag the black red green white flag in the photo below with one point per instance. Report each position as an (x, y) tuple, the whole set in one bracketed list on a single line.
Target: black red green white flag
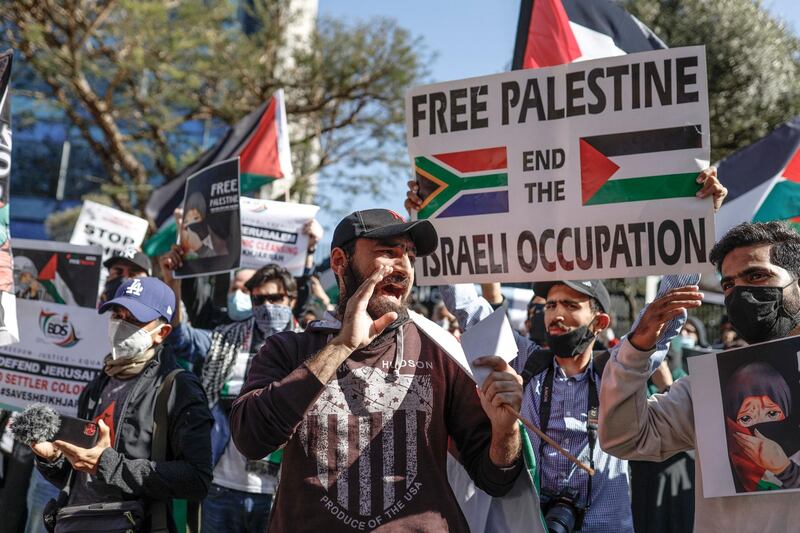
[(611, 169), (554, 32), (260, 139), (763, 180)]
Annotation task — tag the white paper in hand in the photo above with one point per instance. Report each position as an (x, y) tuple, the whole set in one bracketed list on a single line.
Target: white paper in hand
[(491, 336), (443, 339)]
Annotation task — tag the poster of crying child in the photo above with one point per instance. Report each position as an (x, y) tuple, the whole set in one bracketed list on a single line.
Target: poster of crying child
[(747, 418)]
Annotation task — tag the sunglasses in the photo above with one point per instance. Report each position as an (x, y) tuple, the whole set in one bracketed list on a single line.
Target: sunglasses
[(261, 299)]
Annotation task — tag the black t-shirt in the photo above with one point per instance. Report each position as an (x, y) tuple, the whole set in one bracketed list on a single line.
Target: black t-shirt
[(86, 488)]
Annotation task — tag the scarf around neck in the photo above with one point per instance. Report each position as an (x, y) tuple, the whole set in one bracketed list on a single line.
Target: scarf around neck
[(127, 367)]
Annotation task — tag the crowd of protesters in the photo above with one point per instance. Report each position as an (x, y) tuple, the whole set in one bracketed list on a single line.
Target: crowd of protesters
[(278, 409)]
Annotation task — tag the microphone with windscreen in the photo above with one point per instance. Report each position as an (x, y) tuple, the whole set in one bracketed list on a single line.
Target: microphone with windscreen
[(40, 423), (37, 423)]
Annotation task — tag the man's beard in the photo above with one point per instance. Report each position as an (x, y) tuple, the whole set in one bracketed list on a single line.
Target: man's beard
[(791, 301), (379, 304)]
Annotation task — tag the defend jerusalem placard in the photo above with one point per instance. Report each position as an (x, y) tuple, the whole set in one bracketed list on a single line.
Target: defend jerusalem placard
[(62, 339), (586, 170)]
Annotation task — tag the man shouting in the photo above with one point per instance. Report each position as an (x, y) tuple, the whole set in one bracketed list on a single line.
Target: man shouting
[(364, 404)]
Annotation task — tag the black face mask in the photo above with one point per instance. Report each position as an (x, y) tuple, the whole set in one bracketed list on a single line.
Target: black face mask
[(570, 344), (538, 332), (758, 314), (783, 432)]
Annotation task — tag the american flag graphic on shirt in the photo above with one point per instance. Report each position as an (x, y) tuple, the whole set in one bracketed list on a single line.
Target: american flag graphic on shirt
[(385, 419)]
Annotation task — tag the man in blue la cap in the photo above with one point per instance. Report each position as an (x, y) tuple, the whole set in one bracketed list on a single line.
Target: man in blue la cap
[(122, 399), (141, 312)]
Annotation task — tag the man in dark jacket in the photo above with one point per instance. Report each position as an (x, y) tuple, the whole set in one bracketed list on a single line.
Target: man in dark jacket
[(122, 400), (364, 405)]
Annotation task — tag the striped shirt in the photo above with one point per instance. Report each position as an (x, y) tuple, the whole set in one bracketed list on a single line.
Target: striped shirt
[(611, 507)]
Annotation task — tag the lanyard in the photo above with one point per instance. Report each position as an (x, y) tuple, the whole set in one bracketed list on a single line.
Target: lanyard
[(546, 406)]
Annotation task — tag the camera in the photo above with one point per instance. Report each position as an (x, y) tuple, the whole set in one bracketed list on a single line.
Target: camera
[(562, 512)]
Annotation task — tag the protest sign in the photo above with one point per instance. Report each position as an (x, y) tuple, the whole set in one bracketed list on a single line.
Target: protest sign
[(62, 339), (272, 233), (57, 272), (8, 313), (579, 171), (210, 232), (110, 228), (747, 406), (490, 336)]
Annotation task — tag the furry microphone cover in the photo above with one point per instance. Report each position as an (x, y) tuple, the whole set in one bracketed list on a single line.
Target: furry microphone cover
[(37, 423)]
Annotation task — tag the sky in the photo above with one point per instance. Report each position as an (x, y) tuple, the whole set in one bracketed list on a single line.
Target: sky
[(469, 38)]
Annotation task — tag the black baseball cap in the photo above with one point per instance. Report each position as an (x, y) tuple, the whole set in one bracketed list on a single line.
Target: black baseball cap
[(382, 223), (131, 256), (589, 287)]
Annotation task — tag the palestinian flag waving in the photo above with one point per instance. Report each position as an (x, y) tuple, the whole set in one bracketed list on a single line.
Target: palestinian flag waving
[(554, 32), (763, 180), (261, 140)]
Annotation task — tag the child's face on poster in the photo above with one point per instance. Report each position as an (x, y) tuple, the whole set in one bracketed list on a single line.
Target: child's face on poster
[(191, 217), (758, 410)]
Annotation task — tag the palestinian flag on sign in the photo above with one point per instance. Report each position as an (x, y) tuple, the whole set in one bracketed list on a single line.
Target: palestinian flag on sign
[(466, 183), (261, 140), (619, 167), (554, 32), (54, 284), (763, 180)]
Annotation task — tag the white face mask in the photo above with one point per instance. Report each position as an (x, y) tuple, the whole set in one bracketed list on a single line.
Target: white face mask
[(687, 342), (239, 306), (127, 340)]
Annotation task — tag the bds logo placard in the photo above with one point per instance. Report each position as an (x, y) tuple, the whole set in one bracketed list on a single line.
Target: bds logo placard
[(58, 329)]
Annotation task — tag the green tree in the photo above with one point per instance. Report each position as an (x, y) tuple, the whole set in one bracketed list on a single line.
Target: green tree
[(133, 75), (752, 57)]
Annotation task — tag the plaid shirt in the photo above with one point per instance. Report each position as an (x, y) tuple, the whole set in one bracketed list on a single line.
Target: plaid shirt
[(611, 507)]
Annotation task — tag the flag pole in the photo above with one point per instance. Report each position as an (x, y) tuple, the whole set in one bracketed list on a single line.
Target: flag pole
[(528, 424)]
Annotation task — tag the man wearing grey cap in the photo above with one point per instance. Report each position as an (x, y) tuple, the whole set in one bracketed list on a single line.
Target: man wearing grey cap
[(364, 404), (122, 399), (129, 263), (561, 384), (561, 397)]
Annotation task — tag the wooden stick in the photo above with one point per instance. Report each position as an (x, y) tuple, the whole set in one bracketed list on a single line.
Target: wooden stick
[(550, 441)]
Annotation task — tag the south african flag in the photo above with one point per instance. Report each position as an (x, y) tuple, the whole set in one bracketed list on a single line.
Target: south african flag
[(466, 183)]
